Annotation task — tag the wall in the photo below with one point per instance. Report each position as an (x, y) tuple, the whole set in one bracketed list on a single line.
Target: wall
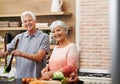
[(94, 40)]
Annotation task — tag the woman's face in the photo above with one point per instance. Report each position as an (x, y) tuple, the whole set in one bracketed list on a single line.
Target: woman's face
[(28, 22), (59, 33)]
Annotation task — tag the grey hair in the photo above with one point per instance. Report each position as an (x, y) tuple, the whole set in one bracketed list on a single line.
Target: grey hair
[(27, 13), (59, 23)]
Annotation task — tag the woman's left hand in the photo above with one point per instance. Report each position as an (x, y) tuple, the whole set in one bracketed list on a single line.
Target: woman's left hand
[(73, 78)]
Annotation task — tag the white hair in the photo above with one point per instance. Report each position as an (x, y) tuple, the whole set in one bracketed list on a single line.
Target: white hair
[(27, 13), (58, 23)]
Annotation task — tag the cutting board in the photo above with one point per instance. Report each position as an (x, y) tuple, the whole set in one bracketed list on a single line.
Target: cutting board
[(49, 82), (52, 82)]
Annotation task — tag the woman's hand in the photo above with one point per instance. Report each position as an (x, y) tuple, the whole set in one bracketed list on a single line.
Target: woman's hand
[(46, 69), (73, 78), (46, 75)]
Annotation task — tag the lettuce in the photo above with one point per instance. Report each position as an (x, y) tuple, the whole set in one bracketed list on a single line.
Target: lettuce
[(58, 75)]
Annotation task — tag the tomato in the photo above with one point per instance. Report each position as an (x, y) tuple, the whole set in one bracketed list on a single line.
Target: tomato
[(28, 80), (31, 79), (23, 79)]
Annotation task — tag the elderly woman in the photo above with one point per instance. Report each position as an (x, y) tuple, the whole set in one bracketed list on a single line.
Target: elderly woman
[(64, 56)]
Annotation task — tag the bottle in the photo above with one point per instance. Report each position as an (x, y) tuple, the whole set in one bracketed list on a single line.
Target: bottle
[(50, 38)]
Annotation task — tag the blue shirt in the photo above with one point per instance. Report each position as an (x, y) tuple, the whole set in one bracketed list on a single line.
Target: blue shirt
[(30, 44)]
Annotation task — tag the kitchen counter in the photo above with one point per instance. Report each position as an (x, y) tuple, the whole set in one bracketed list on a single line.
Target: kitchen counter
[(16, 81), (19, 81)]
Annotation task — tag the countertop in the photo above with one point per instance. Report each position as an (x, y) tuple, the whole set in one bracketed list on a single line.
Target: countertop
[(19, 81), (16, 81)]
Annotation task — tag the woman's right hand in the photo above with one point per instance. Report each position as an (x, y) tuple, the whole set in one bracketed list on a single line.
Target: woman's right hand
[(46, 74), (46, 69)]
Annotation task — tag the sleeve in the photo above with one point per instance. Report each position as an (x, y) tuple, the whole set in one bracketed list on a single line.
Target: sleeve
[(45, 43), (72, 60)]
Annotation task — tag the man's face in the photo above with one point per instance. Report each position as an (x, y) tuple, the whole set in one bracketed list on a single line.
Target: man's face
[(28, 22)]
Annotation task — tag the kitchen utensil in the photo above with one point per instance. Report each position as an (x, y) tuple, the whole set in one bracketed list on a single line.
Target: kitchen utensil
[(7, 39), (8, 68), (5, 45), (56, 5)]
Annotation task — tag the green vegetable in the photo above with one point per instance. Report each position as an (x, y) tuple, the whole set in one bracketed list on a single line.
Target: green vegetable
[(58, 75), (64, 81), (5, 70), (10, 78)]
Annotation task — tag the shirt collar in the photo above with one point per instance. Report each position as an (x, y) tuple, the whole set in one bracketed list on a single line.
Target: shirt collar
[(34, 35)]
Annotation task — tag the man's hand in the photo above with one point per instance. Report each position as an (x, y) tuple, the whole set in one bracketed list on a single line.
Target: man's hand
[(3, 53), (16, 53)]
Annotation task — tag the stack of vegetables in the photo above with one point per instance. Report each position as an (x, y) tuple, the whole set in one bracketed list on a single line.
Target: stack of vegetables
[(60, 76)]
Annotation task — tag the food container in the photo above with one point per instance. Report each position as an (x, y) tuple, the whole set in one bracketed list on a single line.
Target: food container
[(41, 25), (6, 80), (14, 24), (4, 23)]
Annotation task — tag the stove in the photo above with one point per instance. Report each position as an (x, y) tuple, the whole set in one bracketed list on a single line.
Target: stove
[(106, 75), (95, 78)]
